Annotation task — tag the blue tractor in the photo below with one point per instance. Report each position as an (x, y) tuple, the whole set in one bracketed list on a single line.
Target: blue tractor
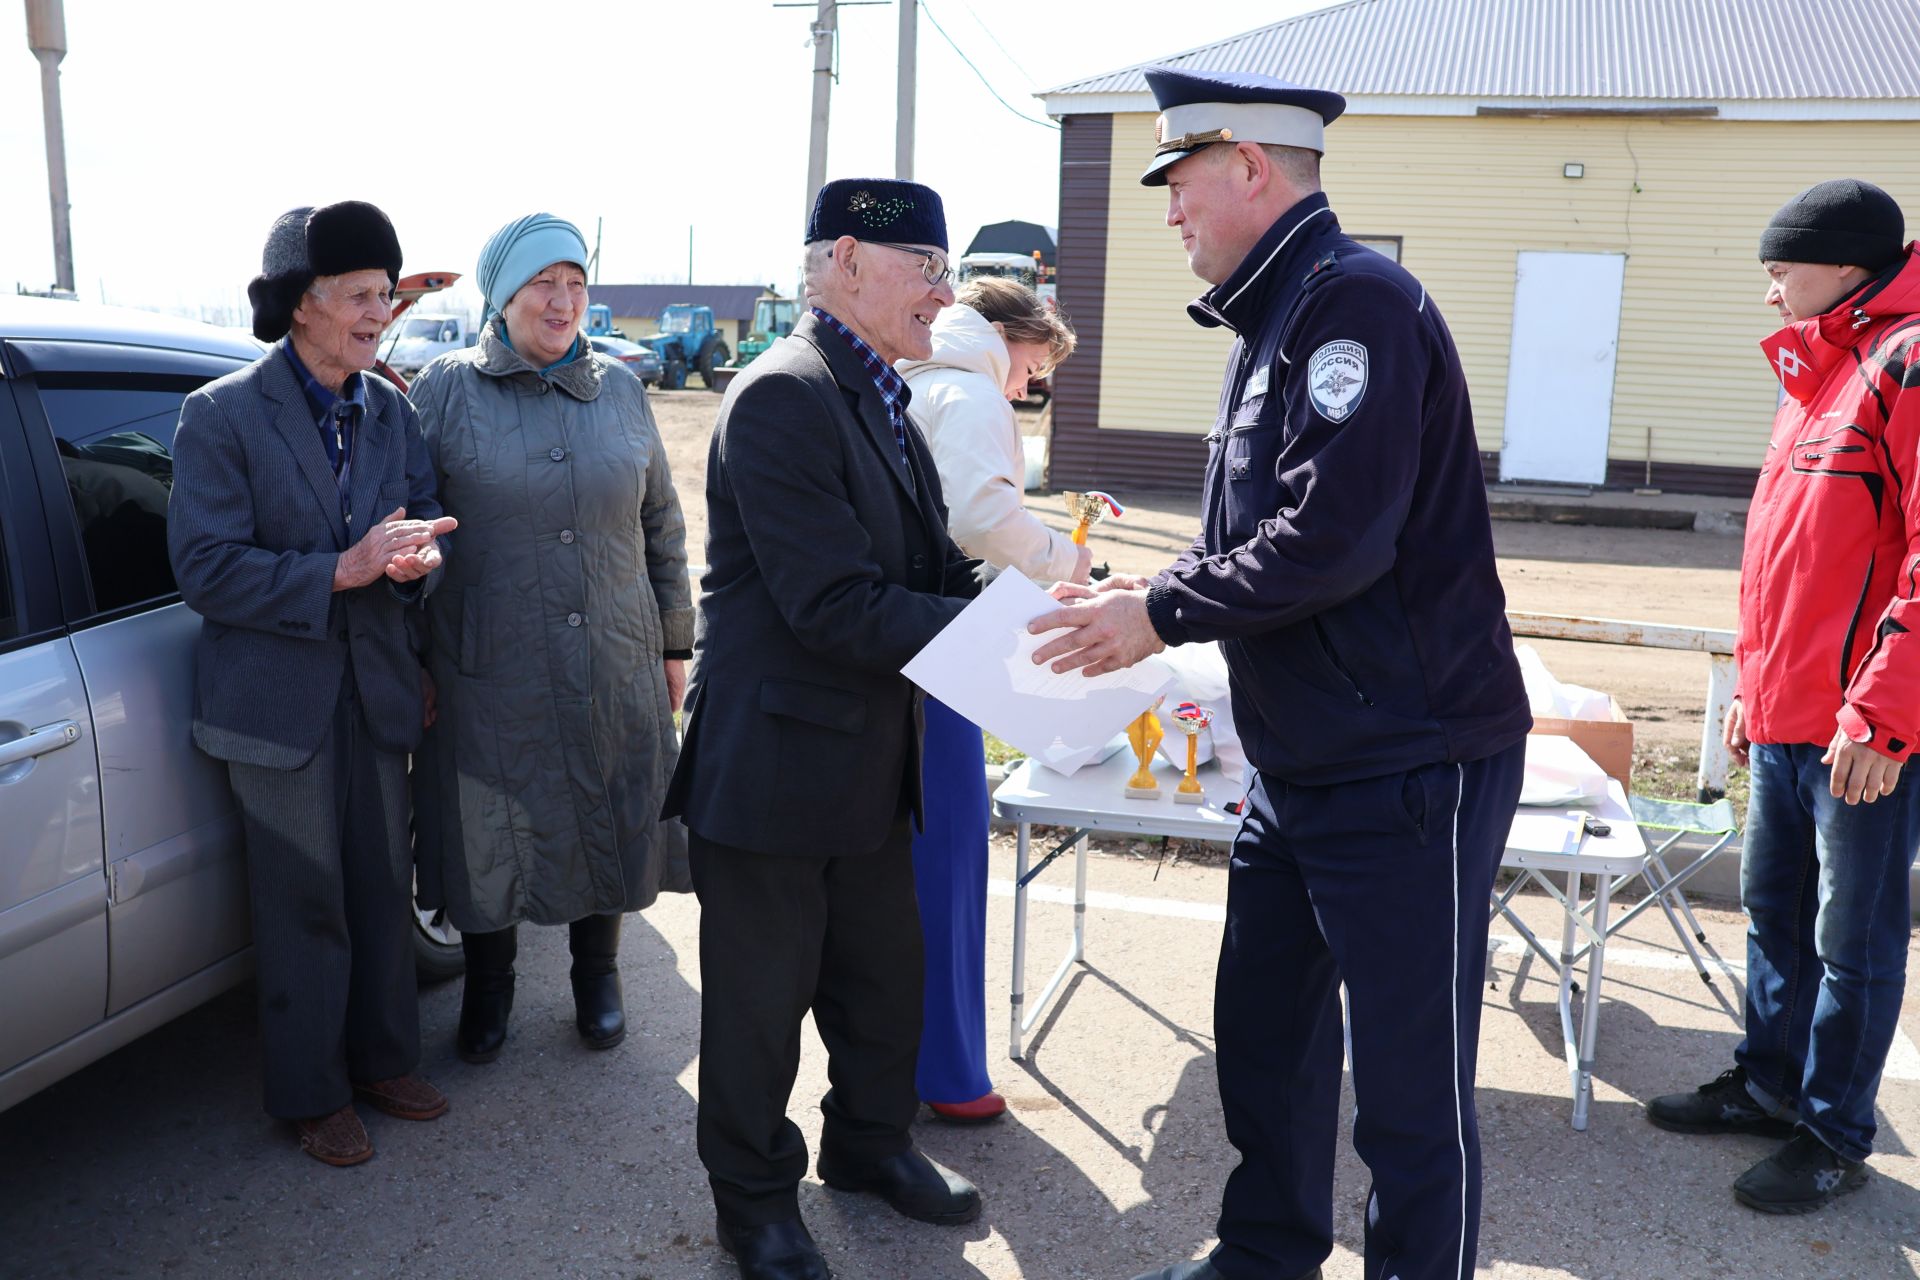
[(688, 340)]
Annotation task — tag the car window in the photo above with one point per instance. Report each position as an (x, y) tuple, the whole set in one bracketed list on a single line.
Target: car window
[(9, 611), (115, 444)]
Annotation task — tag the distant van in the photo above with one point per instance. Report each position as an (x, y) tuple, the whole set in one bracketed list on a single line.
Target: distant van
[(420, 338)]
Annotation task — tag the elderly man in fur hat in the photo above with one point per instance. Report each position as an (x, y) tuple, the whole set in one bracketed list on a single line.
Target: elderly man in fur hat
[(302, 528)]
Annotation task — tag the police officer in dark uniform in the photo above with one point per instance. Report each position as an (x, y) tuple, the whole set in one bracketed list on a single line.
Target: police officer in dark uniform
[(1346, 567)]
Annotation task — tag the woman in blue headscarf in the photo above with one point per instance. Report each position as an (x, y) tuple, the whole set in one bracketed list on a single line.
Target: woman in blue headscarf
[(557, 641)]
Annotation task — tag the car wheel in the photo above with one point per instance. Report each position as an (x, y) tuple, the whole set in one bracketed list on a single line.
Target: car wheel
[(437, 954)]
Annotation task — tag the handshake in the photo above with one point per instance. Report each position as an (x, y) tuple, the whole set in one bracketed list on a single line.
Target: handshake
[(396, 548), (1107, 627)]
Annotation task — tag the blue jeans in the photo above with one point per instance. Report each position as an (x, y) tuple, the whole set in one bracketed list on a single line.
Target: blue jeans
[(1825, 888)]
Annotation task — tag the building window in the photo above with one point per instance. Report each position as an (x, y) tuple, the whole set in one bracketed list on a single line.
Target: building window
[(1386, 246)]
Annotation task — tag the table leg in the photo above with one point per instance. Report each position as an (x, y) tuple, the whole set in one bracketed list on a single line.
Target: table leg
[(1590, 1010), (1571, 1041), (1080, 901), (1022, 851)]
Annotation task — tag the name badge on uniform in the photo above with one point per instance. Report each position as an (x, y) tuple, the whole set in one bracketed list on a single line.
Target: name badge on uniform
[(1257, 384), (1337, 378)]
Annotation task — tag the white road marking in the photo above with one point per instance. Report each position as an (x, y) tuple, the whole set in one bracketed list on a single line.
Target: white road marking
[(1903, 1059)]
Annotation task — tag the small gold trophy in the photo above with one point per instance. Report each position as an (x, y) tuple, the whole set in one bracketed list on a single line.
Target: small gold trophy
[(1192, 719), (1089, 509), (1145, 734)]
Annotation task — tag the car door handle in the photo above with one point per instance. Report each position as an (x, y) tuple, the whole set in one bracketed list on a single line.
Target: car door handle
[(50, 737)]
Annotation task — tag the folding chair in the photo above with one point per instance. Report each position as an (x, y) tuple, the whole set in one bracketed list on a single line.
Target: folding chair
[(1666, 823)]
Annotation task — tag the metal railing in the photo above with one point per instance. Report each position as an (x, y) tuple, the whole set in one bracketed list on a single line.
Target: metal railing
[(1716, 643)]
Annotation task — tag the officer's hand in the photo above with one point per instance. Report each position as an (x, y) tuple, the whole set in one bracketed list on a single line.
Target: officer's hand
[(1861, 775), (1109, 632), (1734, 732), (1066, 592), (1122, 582)]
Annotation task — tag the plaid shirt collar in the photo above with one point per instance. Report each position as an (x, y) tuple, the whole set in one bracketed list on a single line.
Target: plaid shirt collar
[(893, 389)]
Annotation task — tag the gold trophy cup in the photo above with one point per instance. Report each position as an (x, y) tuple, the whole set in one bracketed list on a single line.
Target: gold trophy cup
[(1088, 509), (1191, 719), (1144, 734)]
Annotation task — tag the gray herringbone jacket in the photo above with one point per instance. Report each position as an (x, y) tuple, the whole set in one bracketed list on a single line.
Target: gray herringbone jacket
[(538, 789)]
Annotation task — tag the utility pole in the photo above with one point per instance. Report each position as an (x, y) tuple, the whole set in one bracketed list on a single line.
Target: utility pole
[(598, 224), (689, 257), (47, 37), (825, 24), (903, 115)]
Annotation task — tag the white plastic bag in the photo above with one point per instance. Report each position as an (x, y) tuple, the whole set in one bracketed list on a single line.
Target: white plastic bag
[(1559, 773), (1549, 697), (1200, 675)]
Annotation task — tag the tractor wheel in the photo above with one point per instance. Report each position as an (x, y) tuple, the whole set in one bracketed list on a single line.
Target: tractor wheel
[(713, 358), (674, 376)]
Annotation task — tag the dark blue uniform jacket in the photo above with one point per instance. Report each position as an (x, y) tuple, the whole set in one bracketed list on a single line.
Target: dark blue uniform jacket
[(1346, 560)]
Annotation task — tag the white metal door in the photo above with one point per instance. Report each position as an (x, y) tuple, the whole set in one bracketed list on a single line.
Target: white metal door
[(1566, 334)]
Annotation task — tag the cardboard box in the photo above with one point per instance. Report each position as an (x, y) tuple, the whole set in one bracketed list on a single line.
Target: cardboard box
[(1609, 742)]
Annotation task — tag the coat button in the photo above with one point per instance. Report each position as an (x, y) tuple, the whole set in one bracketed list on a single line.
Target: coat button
[(566, 536), (557, 453), (919, 562), (575, 619)]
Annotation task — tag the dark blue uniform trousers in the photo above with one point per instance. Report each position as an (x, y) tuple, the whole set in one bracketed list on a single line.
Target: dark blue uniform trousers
[(1381, 884)]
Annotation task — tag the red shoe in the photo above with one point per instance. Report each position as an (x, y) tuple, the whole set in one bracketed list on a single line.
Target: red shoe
[(988, 1106)]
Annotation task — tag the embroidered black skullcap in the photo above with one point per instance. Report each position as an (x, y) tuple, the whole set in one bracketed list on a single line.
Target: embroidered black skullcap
[(878, 209)]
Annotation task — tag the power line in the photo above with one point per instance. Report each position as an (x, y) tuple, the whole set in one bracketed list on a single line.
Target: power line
[(1046, 124), (982, 24)]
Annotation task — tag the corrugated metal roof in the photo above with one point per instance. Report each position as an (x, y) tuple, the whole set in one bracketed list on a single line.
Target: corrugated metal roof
[(1666, 50)]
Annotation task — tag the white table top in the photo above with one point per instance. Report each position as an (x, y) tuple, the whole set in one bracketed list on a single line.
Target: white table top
[(1095, 797)]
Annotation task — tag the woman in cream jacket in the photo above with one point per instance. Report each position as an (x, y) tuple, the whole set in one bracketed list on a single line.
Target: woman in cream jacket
[(986, 350)]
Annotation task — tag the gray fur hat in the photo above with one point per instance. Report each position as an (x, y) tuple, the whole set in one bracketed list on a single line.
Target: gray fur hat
[(307, 242)]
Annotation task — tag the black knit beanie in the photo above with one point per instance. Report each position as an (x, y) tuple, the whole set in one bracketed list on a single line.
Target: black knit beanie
[(1844, 222), (304, 243)]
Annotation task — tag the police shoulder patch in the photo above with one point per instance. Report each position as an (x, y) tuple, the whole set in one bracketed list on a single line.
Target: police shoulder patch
[(1337, 378)]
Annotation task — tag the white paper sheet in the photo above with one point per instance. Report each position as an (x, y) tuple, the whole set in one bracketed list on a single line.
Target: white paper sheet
[(1546, 832), (982, 666)]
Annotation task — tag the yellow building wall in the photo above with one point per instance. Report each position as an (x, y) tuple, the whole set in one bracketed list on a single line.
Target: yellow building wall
[(1684, 199)]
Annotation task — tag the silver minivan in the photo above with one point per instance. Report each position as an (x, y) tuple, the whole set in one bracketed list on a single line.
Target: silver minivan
[(123, 889)]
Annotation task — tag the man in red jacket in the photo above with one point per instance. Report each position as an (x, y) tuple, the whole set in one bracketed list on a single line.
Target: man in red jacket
[(1829, 705)]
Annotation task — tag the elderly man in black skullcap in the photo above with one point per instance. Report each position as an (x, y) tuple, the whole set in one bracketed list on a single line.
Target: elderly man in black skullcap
[(302, 528), (829, 567)]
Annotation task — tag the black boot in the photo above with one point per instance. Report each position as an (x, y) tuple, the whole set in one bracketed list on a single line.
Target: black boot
[(597, 1007), (488, 996)]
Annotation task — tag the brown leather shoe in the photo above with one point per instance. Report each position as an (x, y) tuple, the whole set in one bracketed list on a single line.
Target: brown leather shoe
[(404, 1097), (339, 1139)]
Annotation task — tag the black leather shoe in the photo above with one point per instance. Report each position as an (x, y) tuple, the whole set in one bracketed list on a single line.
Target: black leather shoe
[(1201, 1270), (487, 998), (599, 1012), (778, 1251), (914, 1184)]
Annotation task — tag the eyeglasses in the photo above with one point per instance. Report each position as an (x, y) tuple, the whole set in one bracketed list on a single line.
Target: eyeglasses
[(932, 265)]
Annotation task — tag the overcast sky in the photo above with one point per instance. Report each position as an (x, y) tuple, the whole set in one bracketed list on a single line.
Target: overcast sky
[(189, 126)]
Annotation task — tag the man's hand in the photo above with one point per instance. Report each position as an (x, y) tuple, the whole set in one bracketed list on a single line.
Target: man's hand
[(1734, 733), (1861, 775), (422, 561), (367, 559), (430, 695), (1109, 632), (676, 682)]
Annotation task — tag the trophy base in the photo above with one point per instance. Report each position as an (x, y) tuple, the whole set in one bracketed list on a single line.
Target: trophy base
[(1143, 793), (1189, 797)]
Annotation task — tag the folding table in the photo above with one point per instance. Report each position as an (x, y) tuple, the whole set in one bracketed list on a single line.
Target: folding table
[(1606, 858), (1091, 800)]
